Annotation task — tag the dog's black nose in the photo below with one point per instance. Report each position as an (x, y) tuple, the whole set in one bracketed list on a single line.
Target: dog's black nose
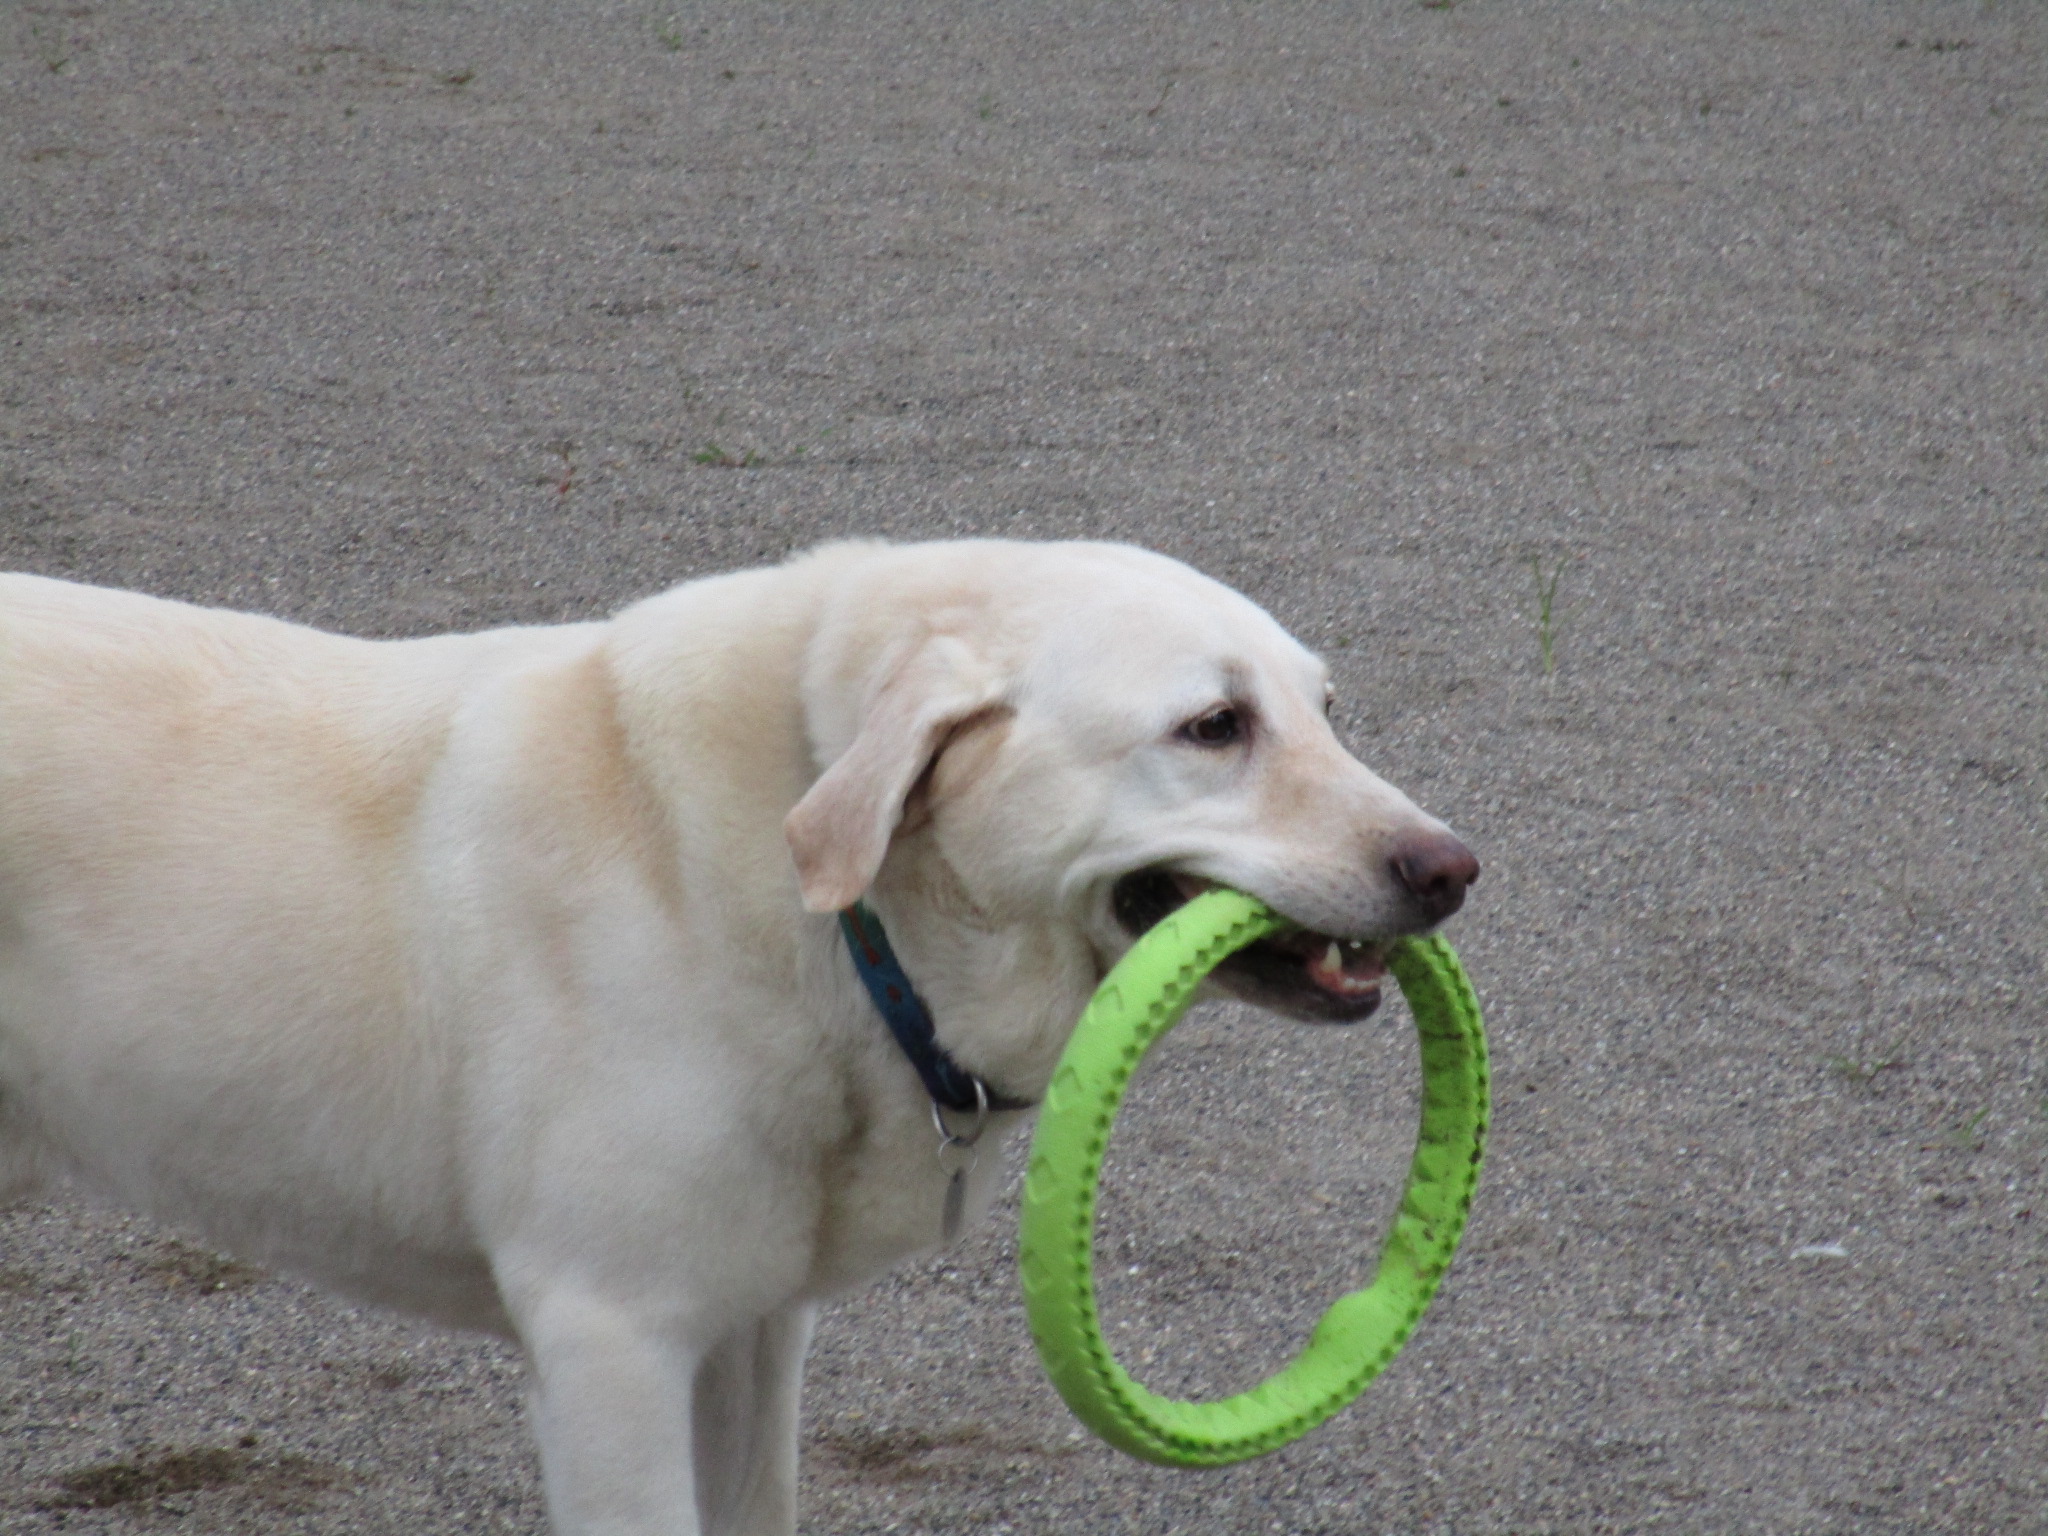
[(1434, 868)]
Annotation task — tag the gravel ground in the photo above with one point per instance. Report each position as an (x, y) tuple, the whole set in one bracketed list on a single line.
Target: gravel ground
[(1727, 322)]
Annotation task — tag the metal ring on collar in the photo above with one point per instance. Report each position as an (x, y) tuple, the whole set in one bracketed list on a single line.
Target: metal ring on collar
[(947, 1136)]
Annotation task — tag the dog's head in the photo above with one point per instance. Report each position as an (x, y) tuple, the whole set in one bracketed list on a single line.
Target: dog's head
[(1090, 734)]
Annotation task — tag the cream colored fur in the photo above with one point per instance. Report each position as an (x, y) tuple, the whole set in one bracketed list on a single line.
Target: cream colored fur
[(481, 977)]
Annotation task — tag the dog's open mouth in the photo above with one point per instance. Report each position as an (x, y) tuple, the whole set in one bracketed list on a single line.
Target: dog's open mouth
[(1305, 975)]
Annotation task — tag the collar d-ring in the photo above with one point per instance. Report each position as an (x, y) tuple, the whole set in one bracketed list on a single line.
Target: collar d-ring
[(948, 1137)]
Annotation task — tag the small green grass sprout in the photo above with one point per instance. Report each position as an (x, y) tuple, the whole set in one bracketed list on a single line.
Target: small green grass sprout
[(1860, 1071), (719, 458), (1968, 1135), (1547, 618)]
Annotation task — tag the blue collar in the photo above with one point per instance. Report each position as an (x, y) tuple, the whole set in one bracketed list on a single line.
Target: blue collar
[(950, 1085)]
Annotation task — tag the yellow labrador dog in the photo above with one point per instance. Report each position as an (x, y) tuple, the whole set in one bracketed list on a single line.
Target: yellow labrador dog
[(497, 977)]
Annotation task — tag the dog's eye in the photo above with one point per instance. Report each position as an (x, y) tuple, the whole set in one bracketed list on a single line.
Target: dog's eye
[(1218, 728)]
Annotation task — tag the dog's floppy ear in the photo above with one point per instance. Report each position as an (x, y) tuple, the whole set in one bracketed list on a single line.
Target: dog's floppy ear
[(839, 832)]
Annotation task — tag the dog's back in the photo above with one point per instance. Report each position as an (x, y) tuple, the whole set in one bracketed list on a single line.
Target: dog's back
[(178, 782)]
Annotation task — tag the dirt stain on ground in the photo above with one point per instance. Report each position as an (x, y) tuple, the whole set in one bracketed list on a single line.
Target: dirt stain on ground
[(284, 1482), (108, 1483), (182, 1264)]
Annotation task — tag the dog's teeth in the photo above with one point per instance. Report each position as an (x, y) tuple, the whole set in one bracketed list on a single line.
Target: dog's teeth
[(1333, 958)]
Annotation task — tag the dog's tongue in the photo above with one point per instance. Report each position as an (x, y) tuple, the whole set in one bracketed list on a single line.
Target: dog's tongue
[(1348, 973)]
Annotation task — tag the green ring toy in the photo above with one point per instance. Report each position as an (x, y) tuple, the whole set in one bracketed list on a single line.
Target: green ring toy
[(1139, 1001)]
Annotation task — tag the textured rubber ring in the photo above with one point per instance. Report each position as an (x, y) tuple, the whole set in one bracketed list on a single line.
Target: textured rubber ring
[(1139, 1001)]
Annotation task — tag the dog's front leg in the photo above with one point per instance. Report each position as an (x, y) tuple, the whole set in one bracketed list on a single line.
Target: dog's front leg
[(746, 1426), (613, 1392)]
